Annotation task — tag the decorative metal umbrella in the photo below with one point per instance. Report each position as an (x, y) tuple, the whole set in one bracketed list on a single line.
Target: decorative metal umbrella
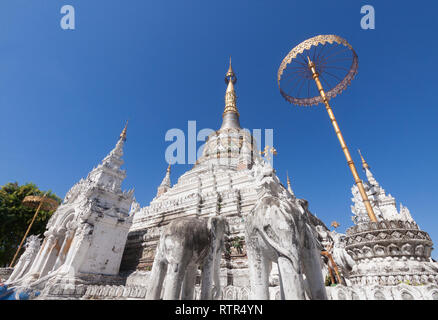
[(39, 203), (327, 59)]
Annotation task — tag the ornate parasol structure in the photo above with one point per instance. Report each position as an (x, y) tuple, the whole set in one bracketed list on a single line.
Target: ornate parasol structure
[(38, 202), (327, 59)]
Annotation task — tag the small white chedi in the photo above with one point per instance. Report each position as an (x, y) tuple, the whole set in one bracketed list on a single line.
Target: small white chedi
[(85, 237), (392, 255), (253, 238)]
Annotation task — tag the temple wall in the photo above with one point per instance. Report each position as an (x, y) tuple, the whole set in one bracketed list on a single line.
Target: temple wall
[(105, 254)]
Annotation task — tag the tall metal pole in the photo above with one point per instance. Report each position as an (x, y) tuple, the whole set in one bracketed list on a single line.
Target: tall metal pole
[(350, 162), (27, 231)]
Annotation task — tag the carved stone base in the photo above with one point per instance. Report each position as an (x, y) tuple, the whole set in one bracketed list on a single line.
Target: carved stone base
[(390, 253), (68, 287), (378, 292), (339, 292)]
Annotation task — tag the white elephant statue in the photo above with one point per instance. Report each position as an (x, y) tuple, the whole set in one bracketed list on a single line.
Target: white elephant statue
[(278, 230), (186, 244)]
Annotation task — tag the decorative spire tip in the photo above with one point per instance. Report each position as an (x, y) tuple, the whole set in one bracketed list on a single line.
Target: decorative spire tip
[(364, 163), (123, 134), (230, 76)]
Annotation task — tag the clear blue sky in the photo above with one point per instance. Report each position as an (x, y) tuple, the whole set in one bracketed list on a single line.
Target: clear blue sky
[(65, 95)]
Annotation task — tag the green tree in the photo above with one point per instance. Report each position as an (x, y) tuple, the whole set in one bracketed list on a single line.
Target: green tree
[(15, 217)]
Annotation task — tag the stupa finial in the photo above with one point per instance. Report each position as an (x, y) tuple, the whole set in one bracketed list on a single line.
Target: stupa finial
[(123, 134), (364, 163), (230, 94), (230, 76), (230, 115)]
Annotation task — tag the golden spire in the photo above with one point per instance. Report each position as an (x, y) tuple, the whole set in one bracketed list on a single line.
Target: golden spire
[(168, 169), (123, 134), (364, 163), (230, 94), (289, 188)]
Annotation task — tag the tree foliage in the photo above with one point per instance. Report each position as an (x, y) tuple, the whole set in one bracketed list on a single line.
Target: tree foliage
[(15, 217)]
